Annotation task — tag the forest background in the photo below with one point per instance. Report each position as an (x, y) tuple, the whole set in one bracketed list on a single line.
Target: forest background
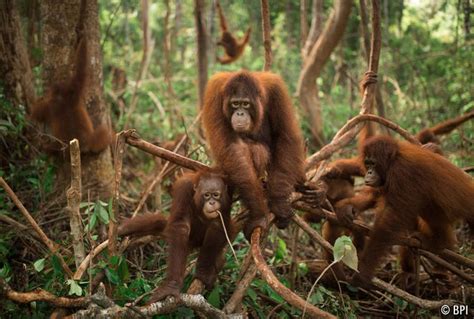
[(148, 78)]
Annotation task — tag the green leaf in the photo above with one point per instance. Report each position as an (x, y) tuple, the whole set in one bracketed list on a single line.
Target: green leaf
[(122, 270), (39, 265), (214, 297), (345, 251), (317, 297), (74, 288), (281, 251), (92, 223), (252, 294), (111, 212), (112, 276), (85, 204), (303, 268), (58, 270), (102, 214)]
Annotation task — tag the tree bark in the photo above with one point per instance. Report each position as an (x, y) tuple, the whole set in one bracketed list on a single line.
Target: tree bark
[(14, 62), (60, 33), (267, 40), (202, 47), (168, 72), (317, 58), (303, 21), (316, 27)]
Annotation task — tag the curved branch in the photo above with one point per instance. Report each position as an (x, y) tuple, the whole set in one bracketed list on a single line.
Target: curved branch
[(276, 285), (347, 133), (374, 118)]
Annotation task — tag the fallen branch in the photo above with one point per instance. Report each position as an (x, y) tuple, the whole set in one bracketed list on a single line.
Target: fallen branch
[(19, 226), (240, 289), (447, 265), (53, 247), (422, 303), (41, 295), (194, 302), (380, 284), (365, 230), (83, 266), (276, 285)]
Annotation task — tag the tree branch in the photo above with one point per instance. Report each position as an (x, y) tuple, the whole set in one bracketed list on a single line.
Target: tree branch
[(53, 247), (276, 285)]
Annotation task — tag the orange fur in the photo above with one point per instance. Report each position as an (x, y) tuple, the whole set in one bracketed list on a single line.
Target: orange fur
[(63, 109), (416, 184), (233, 48)]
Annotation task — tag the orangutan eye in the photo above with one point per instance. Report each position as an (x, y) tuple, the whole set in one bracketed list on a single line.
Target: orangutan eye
[(207, 195), (235, 104), (216, 195), (245, 105)]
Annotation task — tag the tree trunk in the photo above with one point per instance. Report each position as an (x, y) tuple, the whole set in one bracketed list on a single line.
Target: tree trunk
[(317, 58), (202, 47), (14, 64), (303, 21), (60, 32), (316, 27), (267, 40), (168, 72)]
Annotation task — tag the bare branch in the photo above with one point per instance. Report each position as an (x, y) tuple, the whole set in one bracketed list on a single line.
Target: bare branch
[(133, 139), (118, 160), (74, 195), (53, 247), (348, 132), (195, 302), (41, 295), (276, 285)]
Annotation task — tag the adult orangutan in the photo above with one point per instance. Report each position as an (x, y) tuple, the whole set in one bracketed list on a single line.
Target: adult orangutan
[(253, 134), (413, 190)]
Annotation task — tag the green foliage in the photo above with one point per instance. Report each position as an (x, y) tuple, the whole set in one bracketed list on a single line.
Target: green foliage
[(345, 251)]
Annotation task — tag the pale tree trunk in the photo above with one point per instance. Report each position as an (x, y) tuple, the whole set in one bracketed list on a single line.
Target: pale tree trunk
[(201, 47), (304, 21), (168, 72), (211, 48), (313, 65), (15, 68), (60, 22), (316, 27)]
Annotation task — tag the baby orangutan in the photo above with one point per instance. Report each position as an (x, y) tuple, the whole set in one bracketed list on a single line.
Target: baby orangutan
[(194, 223)]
